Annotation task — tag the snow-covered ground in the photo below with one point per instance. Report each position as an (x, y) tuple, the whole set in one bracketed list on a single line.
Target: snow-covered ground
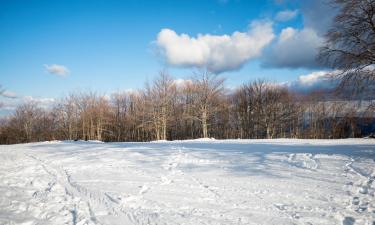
[(189, 182)]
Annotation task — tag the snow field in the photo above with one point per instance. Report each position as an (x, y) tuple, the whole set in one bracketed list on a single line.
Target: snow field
[(189, 182)]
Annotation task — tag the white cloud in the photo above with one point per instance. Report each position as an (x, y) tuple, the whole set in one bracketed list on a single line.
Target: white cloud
[(182, 82), (57, 69), (8, 94), (295, 49), (312, 78), (299, 48), (317, 80), (216, 53), (286, 34), (286, 15), (42, 102), (10, 104)]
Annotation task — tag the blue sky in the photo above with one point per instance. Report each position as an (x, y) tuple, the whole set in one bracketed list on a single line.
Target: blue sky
[(114, 45)]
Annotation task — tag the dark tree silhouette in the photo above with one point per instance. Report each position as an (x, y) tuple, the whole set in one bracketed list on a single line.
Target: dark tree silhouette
[(350, 44)]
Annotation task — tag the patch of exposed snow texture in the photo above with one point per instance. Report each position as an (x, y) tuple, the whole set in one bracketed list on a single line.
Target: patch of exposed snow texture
[(206, 181)]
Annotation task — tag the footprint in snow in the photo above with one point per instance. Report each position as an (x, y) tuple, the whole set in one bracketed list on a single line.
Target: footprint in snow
[(355, 201), (362, 207), (363, 190), (165, 180), (280, 206), (143, 190), (348, 221)]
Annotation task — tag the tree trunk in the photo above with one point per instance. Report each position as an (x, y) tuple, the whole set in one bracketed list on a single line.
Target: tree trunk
[(204, 124)]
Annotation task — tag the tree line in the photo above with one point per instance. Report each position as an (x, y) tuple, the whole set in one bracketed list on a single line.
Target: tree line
[(200, 107)]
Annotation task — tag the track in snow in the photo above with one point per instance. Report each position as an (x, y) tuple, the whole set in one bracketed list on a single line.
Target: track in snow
[(189, 182)]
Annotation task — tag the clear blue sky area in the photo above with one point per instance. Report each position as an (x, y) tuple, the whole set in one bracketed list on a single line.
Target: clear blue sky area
[(111, 45)]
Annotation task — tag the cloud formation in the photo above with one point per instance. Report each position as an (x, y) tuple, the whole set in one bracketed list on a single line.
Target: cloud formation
[(181, 82), (213, 52), (43, 102), (286, 15), (9, 105), (8, 94), (294, 49), (318, 80), (56, 69), (299, 48)]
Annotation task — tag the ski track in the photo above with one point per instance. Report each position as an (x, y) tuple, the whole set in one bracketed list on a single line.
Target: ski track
[(192, 182)]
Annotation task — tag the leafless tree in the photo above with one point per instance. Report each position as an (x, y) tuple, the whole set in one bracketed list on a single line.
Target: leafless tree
[(207, 89), (198, 107), (266, 110), (67, 115), (350, 43), (25, 119), (162, 92)]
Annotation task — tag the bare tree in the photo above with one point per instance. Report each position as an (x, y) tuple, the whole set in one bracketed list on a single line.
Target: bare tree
[(266, 110), (120, 111), (26, 117), (158, 104), (207, 89), (199, 107), (163, 91), (350, 43), (67, 115)]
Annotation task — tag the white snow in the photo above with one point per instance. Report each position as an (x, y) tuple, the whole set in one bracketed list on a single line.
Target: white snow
[(205, 181)]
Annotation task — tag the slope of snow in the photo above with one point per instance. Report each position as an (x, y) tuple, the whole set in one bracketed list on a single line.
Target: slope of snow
[(189, 182)]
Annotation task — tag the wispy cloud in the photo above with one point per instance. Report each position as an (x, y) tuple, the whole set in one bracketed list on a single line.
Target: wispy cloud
[(9, 94), (217, 53), (286, 15), (10, 104), (43, 102), (56, 69)]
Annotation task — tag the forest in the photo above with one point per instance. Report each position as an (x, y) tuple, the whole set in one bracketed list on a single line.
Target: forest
[(200, 107)]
